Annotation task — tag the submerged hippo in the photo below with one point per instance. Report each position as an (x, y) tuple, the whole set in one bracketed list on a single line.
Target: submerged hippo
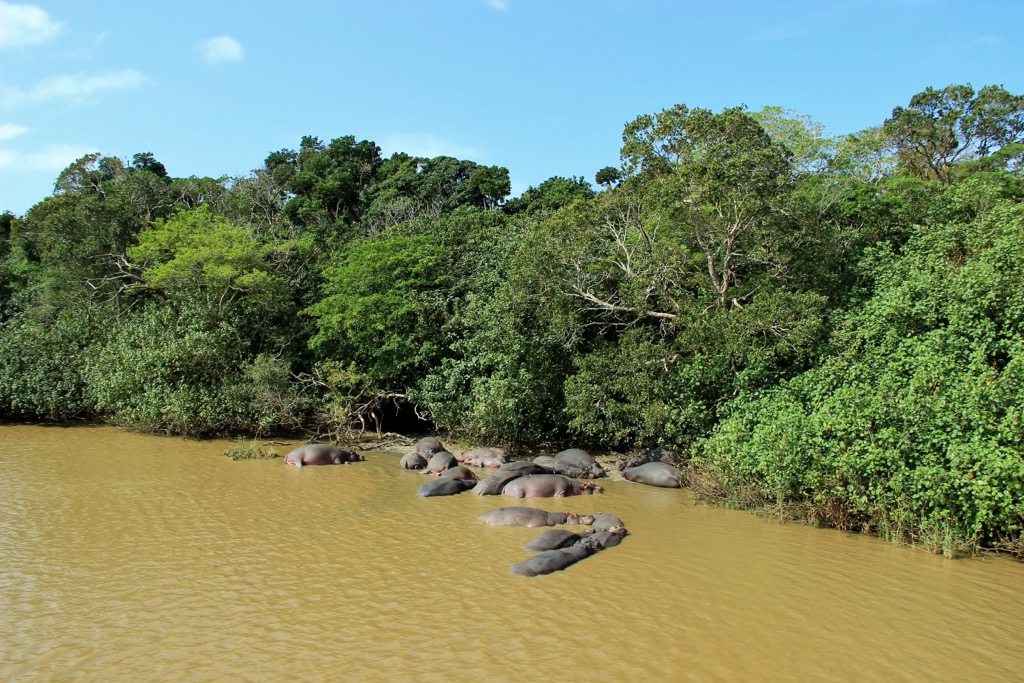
[(321, 454), (444, 486), (524, 516), (553, 539), (493, 485), (548, 486), (604, 521), (654, 474), (552, 560), (560, 558)]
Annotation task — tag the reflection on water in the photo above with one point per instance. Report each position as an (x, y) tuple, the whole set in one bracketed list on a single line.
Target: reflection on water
[(135, 557)]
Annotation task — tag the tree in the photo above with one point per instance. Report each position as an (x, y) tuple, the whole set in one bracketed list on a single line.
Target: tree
[(940, 128), (720, 174), (549, 196), (328, 182), (608, 177)]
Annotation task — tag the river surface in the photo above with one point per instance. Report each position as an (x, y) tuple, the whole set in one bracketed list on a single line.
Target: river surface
[(133, 557)]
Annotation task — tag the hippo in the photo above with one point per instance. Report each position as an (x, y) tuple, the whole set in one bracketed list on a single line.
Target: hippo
[(552, 560), (575, 471), (524, 516), (560, 558), (492, 485), (444, 486), (439, 462), (413, 461), (524, 467), (429, 445), (552, 539), (606, 520), (654, 474), (579, 458), (548, 486), (321, 454), (659, 454), (475, 456), (599, 540), (545, 460), (460, 472)]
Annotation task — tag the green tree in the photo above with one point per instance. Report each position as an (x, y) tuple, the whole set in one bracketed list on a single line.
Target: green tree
[(940, 128)]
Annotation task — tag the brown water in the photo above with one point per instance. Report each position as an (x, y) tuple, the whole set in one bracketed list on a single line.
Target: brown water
[(129, 557)]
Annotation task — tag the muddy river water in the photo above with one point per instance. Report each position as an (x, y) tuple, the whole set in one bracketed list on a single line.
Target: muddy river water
[(131, 557)]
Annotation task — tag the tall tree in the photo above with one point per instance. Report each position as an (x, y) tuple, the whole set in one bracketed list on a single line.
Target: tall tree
[(942, 127)]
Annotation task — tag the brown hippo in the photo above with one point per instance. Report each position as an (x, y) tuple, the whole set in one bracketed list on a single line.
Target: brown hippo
[(439, 462), (484, 456), (413, 461), (524, 467), (548, 486), (321, 454), (654, 474), (524, 516), (460, 472)]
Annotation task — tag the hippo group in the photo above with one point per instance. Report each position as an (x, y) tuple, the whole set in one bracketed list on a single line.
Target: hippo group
[(558, 548)]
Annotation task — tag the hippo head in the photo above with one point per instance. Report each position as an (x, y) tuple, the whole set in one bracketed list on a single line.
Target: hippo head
[(590, 487), (573, 518), (349, 456)]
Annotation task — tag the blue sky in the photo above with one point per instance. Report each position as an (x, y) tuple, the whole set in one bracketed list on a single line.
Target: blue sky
[(542, 87)]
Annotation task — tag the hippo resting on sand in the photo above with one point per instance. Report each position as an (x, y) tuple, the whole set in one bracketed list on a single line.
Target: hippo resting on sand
[(554, 560), (524, 516), (429, 445), (548, 486), (320, 454), (654, 474)]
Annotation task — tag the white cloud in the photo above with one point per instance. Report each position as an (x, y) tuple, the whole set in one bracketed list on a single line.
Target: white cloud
[(220, 49), (11, 130), (71, 88), (52, 158), (500, 5), (24, 25), (428, 146)]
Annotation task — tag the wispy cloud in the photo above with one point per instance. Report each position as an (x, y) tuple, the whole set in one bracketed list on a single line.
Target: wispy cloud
[(428, 146), (51, 158), (22, 25), (11, 130), (221, 49), (74, 89), (499, 5)]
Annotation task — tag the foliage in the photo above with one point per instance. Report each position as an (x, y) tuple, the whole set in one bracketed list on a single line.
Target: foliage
[(251, 451), (825, 326), (911, 427)]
